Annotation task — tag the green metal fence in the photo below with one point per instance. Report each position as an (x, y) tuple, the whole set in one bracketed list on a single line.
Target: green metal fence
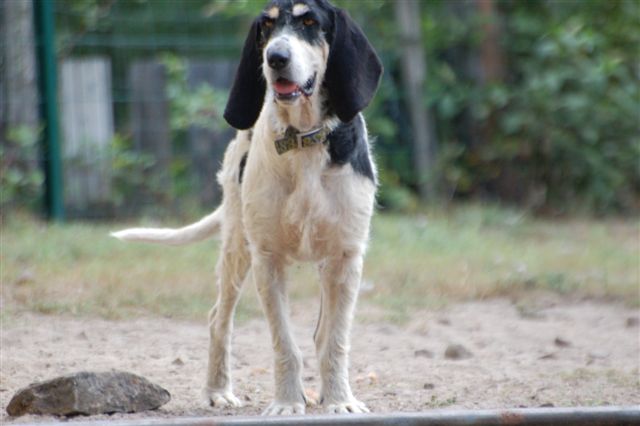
[(130, 95), (142, 84), (47, 69)]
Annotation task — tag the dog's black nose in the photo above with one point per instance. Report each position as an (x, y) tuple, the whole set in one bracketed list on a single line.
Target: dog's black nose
[(278, 58)]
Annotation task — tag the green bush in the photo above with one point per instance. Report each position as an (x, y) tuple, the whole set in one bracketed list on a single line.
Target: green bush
[(570, 119), (559, 132), (567, 115), (21, 179), (131, 172)]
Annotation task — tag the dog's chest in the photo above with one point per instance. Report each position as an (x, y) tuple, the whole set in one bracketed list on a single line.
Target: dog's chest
[(310, 214), (302, 205)]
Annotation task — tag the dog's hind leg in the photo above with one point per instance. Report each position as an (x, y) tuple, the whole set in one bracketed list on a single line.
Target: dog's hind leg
[(231, 270), (289, 398), (340, 279)]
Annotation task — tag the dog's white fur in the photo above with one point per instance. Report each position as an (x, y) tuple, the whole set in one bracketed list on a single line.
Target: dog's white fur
[(289, 207)]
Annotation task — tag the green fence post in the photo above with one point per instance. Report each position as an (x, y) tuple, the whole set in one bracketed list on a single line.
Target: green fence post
[(48, 82)]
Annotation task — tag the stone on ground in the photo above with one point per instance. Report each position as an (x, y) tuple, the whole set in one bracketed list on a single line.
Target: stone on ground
[(457, 352), (89, 393)]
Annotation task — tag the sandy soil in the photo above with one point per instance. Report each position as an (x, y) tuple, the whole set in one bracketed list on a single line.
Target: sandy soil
[(552, 353)]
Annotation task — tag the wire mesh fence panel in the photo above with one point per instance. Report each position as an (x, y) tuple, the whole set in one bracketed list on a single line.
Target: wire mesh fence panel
[(140, 89), (206, 140), (169, 73)]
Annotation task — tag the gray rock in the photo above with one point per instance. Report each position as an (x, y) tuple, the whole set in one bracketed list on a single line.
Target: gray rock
[(561, 343), (89, 393), (457, 352)]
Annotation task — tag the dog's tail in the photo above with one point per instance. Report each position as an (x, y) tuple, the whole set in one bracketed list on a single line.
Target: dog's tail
[(204, 228)]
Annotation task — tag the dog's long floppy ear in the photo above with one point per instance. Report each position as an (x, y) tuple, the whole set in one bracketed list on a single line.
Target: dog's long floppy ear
[(248, 90), (353, 68)]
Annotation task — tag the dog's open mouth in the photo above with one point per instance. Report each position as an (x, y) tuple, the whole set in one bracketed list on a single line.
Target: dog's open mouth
[(288, 90)]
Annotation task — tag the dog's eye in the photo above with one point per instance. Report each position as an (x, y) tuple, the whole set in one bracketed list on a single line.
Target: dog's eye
[(308, 22), (268, 23)]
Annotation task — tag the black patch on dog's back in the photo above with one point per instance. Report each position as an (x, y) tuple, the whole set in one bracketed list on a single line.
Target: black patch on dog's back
[(243, 163), (348, 144)]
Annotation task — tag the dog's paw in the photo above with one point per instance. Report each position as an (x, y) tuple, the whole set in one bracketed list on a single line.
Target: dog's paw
[(220, 398), (352, 406), (277, 408)]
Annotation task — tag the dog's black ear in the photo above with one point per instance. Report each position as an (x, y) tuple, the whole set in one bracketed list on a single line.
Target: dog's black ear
[(353, 68), (248, 90)]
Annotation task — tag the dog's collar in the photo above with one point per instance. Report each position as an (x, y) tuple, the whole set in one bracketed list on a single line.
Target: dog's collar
[(293, 139)]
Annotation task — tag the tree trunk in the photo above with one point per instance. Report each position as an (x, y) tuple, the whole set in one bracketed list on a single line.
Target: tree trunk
[(414, 74), (491, 59), (491, 56), (511, 184)]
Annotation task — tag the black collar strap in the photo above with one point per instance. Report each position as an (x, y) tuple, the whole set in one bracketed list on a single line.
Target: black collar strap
[(293, 139)]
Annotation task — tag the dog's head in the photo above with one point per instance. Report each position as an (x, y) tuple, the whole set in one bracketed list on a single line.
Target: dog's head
[(298, 49)]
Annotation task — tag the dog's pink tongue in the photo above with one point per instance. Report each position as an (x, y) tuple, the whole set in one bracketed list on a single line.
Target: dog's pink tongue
[(285, 87)]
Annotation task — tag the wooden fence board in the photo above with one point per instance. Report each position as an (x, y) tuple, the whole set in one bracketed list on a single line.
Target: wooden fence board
[(87, 131)]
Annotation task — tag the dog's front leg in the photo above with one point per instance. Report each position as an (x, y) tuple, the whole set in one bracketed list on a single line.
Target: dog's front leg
[(268, 273), (340, 283)]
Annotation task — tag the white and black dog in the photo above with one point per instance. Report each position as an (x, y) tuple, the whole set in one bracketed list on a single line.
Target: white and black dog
[(299, 184)]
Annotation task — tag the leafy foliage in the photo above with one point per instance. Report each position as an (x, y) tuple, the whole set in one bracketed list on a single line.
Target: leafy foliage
[(200, 107), (570, 117), (131, 172), (20, 178), (565, 120), (557, 132)]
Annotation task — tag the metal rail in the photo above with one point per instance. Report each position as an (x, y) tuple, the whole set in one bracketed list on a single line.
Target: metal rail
[(573, 416)]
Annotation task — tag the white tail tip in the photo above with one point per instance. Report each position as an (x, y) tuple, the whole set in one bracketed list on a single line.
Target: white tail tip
[(198, 231)]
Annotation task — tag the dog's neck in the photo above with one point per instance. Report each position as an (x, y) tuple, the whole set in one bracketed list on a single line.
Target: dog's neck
[(307, 114)]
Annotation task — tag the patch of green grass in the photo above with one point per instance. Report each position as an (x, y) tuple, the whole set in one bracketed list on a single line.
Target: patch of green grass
[(435, 402), (474, 252), (421, 261)]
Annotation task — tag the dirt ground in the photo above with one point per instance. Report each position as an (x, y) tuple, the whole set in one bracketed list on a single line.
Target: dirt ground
[(546, 353)]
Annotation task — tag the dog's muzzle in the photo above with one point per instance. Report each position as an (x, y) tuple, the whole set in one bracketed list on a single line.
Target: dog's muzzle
[(288, 90), (278, 57)]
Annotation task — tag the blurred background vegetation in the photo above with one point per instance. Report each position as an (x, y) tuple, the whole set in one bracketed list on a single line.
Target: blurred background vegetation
[(533, 104), (505, 131)]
